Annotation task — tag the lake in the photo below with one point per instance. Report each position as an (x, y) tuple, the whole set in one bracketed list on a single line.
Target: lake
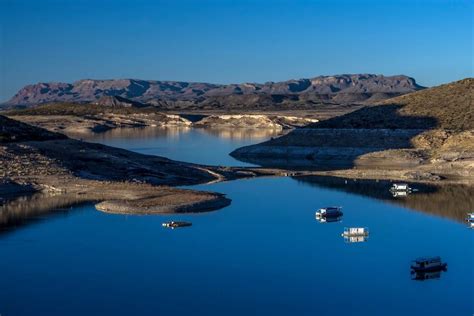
[(265, 254)]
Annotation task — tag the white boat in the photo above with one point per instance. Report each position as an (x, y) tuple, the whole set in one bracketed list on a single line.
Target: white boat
[(355, 232), (332, 211), (470, 217), (400, 187)]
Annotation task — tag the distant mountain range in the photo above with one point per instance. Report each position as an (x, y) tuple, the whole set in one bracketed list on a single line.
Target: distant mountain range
[(338, 89)]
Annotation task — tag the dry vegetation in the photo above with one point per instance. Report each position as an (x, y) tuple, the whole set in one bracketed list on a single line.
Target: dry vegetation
[(428, 132), (76, 109), (451, 104)]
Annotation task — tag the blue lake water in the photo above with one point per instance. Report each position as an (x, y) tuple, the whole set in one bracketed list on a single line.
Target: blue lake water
[(197, 145), (265, 254)]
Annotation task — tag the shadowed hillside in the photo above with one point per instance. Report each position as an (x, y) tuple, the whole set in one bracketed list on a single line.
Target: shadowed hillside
[(77, 109), (430, 126), (448, 107), (14, 131), (450, 104)]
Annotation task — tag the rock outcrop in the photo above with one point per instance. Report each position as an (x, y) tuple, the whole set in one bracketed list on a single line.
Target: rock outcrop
[(14, 131), (253, 121)]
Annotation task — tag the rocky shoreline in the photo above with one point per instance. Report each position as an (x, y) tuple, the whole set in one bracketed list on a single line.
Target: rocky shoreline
[(35, 161), (426, 135), (358, 153), (393, 142), (76, 126), (180, 201)]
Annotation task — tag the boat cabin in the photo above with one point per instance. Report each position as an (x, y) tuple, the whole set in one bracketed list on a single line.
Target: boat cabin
[(470, 217), (333, 211), (355, 231), (400, 187), (428, 264), (175, 224)]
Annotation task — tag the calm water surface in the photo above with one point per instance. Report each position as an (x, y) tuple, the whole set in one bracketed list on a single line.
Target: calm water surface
[(265, 254), (198, 145)]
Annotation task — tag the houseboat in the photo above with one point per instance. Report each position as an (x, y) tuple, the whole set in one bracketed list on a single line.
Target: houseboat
[(174, 224), (326, 212), (470, 217), (428, 264), (355, 232), (400, 187)]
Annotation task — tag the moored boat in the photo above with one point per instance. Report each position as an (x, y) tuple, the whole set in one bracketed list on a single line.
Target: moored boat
[(428, 264), (355, 232), (332, 211), (176, 224), (470, 217), (400, 187)]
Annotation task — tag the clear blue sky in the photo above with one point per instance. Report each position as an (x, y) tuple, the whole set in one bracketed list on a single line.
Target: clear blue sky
[(232, 41)]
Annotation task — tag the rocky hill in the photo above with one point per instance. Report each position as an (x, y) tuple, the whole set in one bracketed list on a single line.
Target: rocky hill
[(449, 106), (429, 130), (14, 131), (340, 89)]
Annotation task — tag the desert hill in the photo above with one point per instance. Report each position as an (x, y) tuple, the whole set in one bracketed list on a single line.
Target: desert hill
[(432, 130)]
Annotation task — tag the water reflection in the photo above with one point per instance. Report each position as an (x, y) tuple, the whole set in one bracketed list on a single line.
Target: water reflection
[(175, 133), (138, 133), (400, 194), (28, 209), (329, 219), (243, 133), (355, 239), (423, 276), (450, 201), (194, 145)]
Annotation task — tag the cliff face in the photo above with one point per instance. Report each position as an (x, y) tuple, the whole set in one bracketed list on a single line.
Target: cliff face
[(339, 89)]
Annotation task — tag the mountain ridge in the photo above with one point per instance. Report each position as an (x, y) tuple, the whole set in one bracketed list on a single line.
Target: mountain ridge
[(355, 87)]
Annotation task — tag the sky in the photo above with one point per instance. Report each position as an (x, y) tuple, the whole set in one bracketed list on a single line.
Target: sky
[(225, 41)]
